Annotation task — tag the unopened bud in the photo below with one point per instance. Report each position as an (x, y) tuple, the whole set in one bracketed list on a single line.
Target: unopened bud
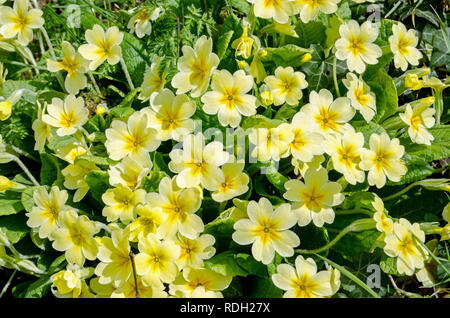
[(413, 82), (262, 53), (5, 184), (306, 58)]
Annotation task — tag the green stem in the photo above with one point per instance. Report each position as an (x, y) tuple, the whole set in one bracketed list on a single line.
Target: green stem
[(353, 211), (393, 9), (94, 83), (8, 283), (127, 74), (336, 86), (438, 105), (133, 266), (52, 53), (399, 193), (25, 169), (327, 246)]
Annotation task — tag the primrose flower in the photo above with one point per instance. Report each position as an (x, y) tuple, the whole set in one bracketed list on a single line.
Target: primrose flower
[(128, 173), (383, 160), (355, 45), (244, 44), (279, 10), (403, 44), (20, 21), (286, 85), (180, 206), (307, 143), (196, 67), (361, 97), (133, 138), (154, 80), (44, 216), (69, 283), (114, 255), (309, 10), (156, 260), (330, 116), (193, 252), (70, 152), (171, 115), (271, 143), (188, 284), (42, 130), (75, 237), (304, 281), (102, 46), (383, 223), (229, 98), (198, 164), (140, 22), (148, 220), (345, 152), (267, 230), (402, 244), (130, 290), (5, 184), (235, 184), (419, 119), (121, 203), (68, 115), (75, 66), (75, 177), (314, 198)]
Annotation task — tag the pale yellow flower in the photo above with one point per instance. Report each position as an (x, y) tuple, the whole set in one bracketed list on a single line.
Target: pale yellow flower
[(307, 143), (148, 220), (42, 130), (383, 160), (403, 44), (267, 230), (5, 184), (384, 224), (197, 164), (44, 216), (133, 138), (20, 20), (235, 184), (75, 237), (304, 281), (128, 173), (130, 290), (75, 175), (279, 10), (140, 22), (70, 152), (75, 66), (69, 283), (286, 85), (193, 252), (229, 98), (244, 44), (331, 116), (188, 284), (345, 152), (180, 206), (195, 68), (300, 167), (68, 115), (356, 45), (402, 244), (156, 260), (314, 198), (171, 115), (309, 9), (121, 203), (362, 98), (154, 81), (102, 46), (271, 143), (114, 255), (419, 119)]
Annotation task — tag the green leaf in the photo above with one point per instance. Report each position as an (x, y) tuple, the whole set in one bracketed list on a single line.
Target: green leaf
[(27, 198), (262, 287), (386, 94), (225, 264), (439, 148), (367, 129), (120, 112), (418, 169), (39, 288), (223, 43), (389, 265), (241, 5), (287, 55), (135, 57), (221, 229), (50, 170), (14, 227), (151, 182), (309, 33), (10, 203), (332, 32), (98, 182), (99, 161), (252, 266), (286, 112), (260, 121)]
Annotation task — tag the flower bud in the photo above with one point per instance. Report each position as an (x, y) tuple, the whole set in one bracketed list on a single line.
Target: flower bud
[(5, 110), (306, 58), (243, 65), (362, 225), (262, 53), (5, 184), (413, 82), (267, 98)]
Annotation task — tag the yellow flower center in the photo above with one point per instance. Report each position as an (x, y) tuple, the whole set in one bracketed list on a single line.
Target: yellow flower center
[(272, 3), (69, 65), (267, 232), (68, 120), (356, 46), (415, 122), (313, 199), (406, 246), (326, 119), (21, 20), (230, 98), (143, 15), (403, 46), (347, 156), (299, 140), (381, 160), (361, 98), (303, 287), (133, 142)]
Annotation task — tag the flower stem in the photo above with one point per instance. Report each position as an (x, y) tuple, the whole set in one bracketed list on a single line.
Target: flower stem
[(329, 245), (336, 86), (25, 169), (94, 83), (353, 211), (399, 193), (438, 105), (133, 266), (5, 288), (127, 74)]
